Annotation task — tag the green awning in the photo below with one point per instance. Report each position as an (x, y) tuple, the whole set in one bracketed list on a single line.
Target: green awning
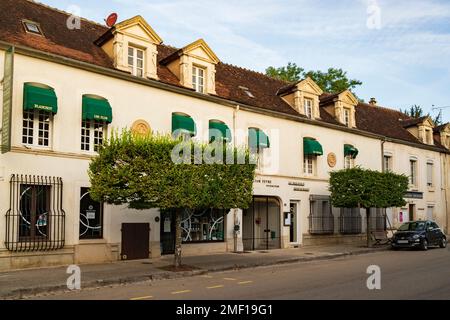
[(219, 128), (183, 123), (39, 98), (96, 109), (350, 150), (257, 139), (312, 147)]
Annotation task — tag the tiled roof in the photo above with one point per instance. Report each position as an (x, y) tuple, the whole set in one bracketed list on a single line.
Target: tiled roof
[(413, 122), (230, 80)]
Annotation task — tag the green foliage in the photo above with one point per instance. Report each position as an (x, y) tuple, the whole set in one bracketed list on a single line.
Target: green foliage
[(363, 188), (139, 171), (332, 81), (290, 73)]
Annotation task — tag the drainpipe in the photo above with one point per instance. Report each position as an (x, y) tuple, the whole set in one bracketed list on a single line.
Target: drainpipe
[(235, 210), (382, 154), (444, 184)]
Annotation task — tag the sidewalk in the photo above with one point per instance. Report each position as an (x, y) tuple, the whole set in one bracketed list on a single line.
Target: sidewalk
[(15, 284)]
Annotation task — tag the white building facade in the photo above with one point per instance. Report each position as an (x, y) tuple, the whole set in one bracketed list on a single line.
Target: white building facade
[(57, 108)]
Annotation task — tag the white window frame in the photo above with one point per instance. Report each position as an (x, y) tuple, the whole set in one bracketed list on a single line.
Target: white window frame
[(387, 164), (349, 162), (198, 87), (93, 126), (430, 175), (413, 172), (346, 117), (309, 165), (133, 60), (308, 108), (35, 129)]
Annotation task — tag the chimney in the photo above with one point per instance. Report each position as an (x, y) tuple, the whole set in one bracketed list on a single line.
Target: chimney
[(373, 101)]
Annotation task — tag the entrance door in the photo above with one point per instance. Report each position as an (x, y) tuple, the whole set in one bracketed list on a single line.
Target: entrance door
[(167, 232), (261, 224), (135, 241), (293, 221), (412, 212)]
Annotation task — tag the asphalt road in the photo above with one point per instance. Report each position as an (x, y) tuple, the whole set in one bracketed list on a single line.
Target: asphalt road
[(404, 275)]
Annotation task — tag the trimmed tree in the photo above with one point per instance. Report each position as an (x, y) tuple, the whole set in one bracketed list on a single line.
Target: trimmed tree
[(155, 171), (362, 188)]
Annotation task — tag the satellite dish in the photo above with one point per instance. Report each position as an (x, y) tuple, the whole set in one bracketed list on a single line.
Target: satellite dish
[(111, 20)]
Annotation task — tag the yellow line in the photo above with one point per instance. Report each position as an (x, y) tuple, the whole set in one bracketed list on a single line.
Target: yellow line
[(180, 292), (215, 287), (142, 298), (245, 282), (206, 276), (230, 279)]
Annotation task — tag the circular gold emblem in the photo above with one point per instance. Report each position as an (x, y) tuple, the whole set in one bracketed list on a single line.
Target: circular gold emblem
[(331, 160), (140, 127)]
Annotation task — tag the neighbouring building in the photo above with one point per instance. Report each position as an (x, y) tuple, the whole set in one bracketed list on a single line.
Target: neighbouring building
[(64, 91)]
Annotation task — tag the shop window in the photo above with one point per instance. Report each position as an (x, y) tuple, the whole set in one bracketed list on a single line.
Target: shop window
[(35, 220), (91, 216), (203, 225)]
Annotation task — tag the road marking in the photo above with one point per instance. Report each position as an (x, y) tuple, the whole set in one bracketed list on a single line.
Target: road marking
[(180, 292), (230, 279), (216, 287), (206, 276), (142, 298), (245, 282)]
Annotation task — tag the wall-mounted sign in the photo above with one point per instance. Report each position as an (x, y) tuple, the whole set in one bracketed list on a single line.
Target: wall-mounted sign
[(90, 214), (301, 189), (414, 195), (5, 144), (140, 127), (331, 159), (297, 184)]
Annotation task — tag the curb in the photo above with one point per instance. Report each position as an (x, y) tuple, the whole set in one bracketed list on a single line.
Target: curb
[(49, 290)]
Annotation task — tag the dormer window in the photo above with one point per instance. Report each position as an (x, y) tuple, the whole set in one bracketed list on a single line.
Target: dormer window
[(346, 117), (136, 61), (309, 108), (198, 79), (32, 27)]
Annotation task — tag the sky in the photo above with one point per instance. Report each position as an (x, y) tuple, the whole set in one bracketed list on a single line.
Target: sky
[(399, 49)]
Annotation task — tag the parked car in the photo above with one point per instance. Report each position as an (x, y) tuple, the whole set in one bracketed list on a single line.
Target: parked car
[(419, 234)]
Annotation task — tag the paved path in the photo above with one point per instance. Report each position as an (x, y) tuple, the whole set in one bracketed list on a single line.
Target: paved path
[(404, 275)]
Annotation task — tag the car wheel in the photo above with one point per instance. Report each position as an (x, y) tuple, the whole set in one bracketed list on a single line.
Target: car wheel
[(424, 245), (443, 243), (394, 248)]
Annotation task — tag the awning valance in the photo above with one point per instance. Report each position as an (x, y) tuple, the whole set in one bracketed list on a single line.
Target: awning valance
[(350, 150), (312, 147), (96, 109), (217, 129), (183, 123), (37, 97), (257, 138)]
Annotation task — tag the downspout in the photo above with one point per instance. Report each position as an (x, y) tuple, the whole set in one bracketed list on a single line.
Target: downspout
[(235, 210), (444, 184)]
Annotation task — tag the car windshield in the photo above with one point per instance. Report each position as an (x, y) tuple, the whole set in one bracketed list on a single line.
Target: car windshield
[(412, 226)]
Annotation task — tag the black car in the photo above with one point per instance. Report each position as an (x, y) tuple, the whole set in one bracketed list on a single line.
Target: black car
[(419, 234)]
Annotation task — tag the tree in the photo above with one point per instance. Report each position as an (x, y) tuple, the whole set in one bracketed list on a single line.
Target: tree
[(160, 172), (332, 81), (362, 188), (416, 111), (290, 73)]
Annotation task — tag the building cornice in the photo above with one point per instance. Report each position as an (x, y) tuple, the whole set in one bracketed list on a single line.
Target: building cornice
[(26, 51)]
